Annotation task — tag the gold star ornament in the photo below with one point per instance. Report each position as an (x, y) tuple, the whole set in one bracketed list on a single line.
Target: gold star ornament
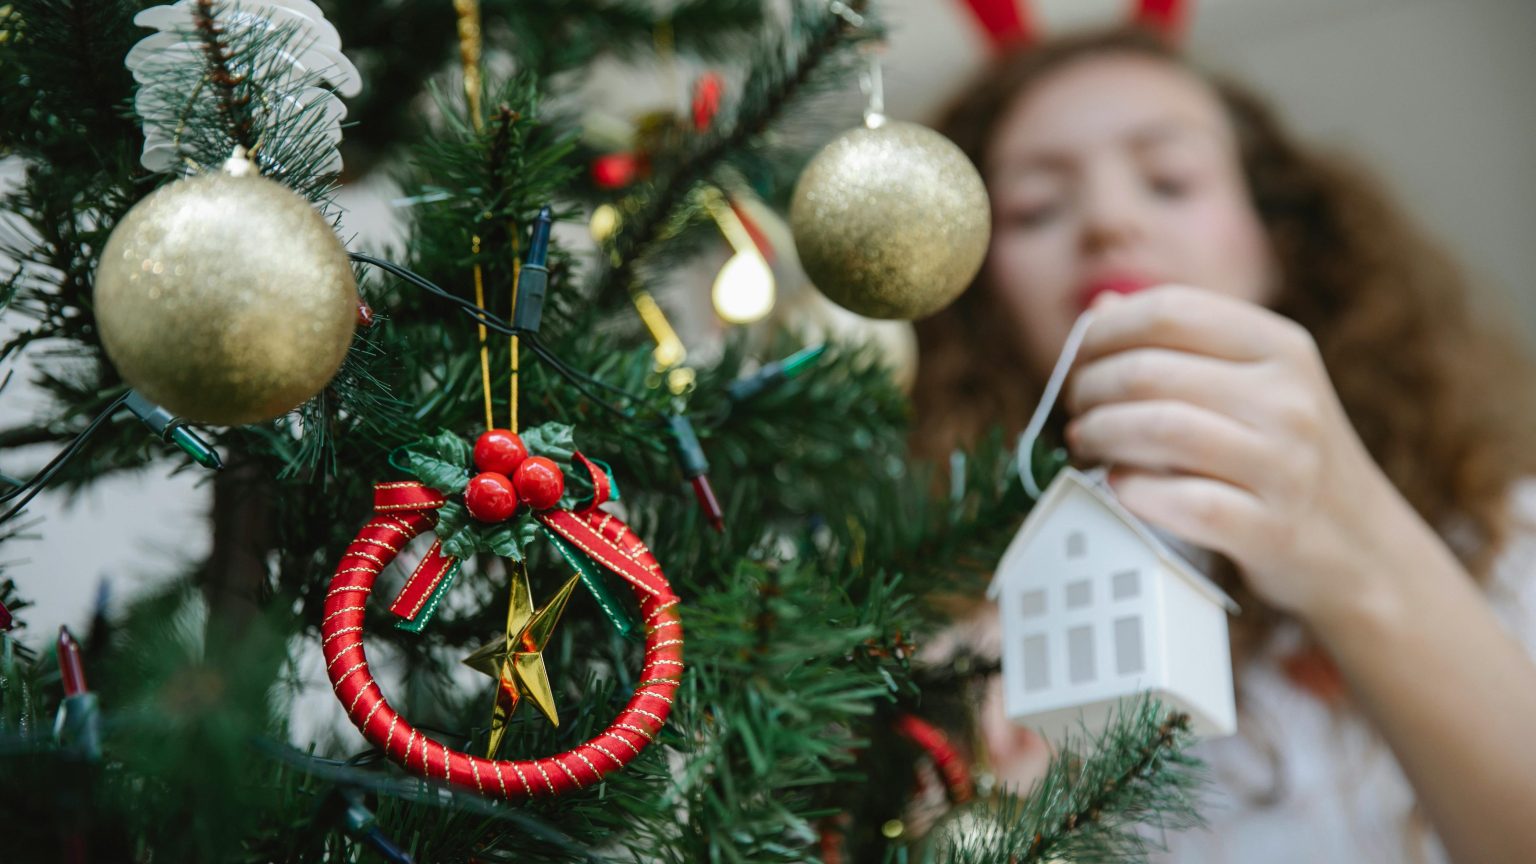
[(517, 661)]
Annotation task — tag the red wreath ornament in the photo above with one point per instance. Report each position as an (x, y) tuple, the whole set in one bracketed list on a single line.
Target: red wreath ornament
[(403, 510)]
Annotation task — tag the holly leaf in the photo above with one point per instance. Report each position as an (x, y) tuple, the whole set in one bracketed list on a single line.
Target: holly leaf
[(441, 462), (528, 528), (451, 517), (552, 440), (462, 536), (504, 541), (461, 543), (456, 531), (509, 540)]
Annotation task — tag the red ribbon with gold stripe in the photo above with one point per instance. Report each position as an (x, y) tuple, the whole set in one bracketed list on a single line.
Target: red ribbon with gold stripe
[(604, 538), (594, 532), (413, 500), (608, 541)]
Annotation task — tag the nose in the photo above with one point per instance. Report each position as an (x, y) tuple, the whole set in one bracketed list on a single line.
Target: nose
[(1113, 215)]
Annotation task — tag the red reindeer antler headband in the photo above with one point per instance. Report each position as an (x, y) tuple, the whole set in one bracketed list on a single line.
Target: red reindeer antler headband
[(1008, 23)]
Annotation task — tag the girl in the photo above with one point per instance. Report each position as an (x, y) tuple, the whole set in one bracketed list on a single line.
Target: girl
[(1281, 369)]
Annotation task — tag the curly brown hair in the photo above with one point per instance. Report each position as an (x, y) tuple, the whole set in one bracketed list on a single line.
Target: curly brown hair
[(1441, 398)]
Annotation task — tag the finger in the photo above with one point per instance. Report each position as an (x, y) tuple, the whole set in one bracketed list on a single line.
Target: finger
[(1019, 755), (1199, 510), (1186, 319), (1143, 374), (1167, 435)]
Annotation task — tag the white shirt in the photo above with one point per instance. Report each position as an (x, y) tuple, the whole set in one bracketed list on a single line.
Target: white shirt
[(1305, 782)]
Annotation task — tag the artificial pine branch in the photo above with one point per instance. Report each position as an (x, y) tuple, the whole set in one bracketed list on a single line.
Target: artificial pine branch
[(774, 88), (1096, 801), (215, 51), (235, 106), (360, 400), (1112, 794), (503, 120), (555, 36), (62, 83), (63, 97), (403, 45), (754, 772)]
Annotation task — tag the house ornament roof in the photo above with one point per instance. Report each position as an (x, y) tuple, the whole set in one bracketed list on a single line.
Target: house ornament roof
[(1094, 483)]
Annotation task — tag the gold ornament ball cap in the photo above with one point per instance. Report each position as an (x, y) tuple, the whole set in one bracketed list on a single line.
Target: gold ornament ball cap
[(891, 222), (226, 299)]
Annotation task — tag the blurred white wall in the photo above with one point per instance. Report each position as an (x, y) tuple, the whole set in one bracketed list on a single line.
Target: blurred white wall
[(1435, 94)]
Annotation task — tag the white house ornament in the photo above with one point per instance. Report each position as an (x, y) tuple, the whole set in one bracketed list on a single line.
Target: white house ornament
[(891, 221), (225, 297), (1095, 608)]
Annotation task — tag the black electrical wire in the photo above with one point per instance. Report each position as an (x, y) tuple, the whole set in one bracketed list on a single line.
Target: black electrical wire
[(29, 490), (480, 314), (577, 376), (578, 383), (582, 381), (549, 356)]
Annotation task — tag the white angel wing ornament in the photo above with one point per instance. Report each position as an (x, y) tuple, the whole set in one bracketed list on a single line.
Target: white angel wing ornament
[(300, 73)]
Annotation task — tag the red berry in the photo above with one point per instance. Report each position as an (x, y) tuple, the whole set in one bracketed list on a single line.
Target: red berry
[(539, 482), (490, 497), (499, 450)]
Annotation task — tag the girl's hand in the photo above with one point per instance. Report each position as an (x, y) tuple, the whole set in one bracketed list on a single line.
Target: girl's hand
[(1221, 426)]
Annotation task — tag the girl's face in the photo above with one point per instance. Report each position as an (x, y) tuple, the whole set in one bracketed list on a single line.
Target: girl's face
[(1116, 173)]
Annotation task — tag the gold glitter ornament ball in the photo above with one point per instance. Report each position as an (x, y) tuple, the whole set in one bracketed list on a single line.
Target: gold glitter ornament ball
[(891, 222), (227, 299)]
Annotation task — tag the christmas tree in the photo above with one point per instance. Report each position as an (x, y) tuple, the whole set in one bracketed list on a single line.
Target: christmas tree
[(714, 615)]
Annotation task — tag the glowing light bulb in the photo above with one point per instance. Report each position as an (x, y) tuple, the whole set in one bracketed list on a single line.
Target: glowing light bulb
[(744, 290), (605, 221)]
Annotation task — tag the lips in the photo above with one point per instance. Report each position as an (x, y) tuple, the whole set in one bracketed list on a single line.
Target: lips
[(1117, 284)]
